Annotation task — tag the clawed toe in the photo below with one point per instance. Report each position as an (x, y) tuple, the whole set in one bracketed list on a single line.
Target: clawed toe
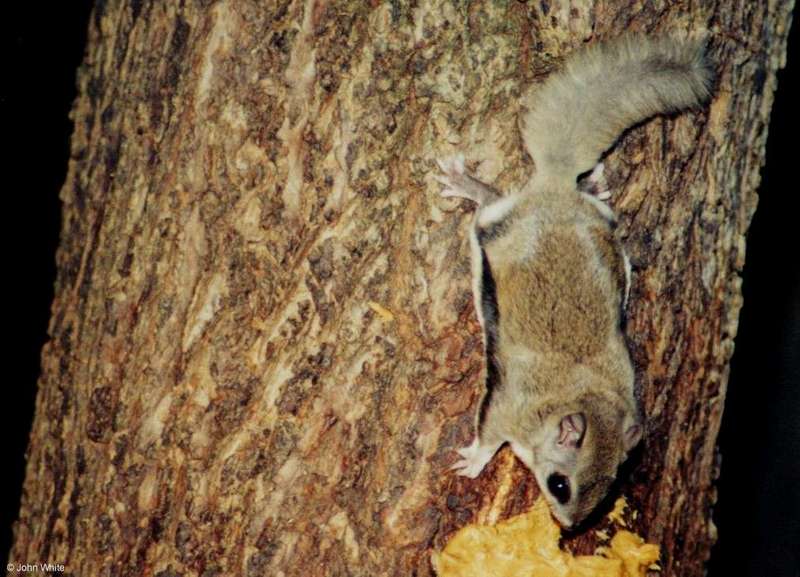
[(472, 462), (466, 452), (466, 468), (443, 179), (451, 164)]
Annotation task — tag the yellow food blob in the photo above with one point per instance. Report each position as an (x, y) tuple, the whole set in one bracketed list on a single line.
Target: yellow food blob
[(527, 546), (616, 513)]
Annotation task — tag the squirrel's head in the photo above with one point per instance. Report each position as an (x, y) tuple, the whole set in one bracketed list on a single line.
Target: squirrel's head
[(576, 459)]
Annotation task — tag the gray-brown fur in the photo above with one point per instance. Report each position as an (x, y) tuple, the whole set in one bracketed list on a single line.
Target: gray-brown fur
[(564, 395), (580, 111)]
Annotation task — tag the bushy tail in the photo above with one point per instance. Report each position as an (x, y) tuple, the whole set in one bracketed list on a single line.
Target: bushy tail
[(580, 111)]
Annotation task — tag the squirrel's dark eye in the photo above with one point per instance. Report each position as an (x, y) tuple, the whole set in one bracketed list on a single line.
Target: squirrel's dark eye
[(558, 485)]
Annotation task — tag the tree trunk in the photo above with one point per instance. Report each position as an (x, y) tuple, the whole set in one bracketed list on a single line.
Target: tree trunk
[(263, 347)]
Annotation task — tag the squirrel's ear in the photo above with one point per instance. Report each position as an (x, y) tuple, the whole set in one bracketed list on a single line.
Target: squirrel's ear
[(632, 434), (571, 430)]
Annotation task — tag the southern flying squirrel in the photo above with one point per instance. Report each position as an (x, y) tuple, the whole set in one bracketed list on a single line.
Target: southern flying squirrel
[(550, 279)]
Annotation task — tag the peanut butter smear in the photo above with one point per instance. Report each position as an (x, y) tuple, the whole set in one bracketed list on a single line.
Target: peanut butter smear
[(527, 546)]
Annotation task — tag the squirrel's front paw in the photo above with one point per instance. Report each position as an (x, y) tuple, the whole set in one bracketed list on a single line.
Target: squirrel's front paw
[(453, 177), (474, 460)]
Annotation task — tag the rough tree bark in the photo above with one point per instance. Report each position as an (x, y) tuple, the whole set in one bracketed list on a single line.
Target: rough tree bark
[(263, 346)]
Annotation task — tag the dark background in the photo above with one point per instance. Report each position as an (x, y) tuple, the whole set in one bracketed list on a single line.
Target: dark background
[(759, 490)]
